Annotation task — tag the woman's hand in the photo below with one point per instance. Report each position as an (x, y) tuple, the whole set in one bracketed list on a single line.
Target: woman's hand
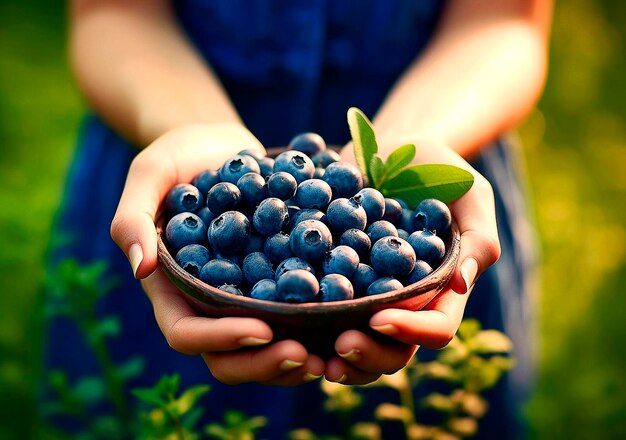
[(236, 350), (362, 359)]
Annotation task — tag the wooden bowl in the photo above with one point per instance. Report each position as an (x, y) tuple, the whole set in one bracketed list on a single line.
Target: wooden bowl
[(315, 325)]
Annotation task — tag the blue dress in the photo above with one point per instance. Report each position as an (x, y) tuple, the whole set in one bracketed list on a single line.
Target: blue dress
[(289, 67)]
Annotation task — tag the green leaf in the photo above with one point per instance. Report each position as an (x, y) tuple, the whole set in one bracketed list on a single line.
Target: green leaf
[(469, 328), (377, 169), (419, 182), (90, 389), (489, 342), (188, 398), (149, 396), (363, 139), (398, 159), (131, 368)]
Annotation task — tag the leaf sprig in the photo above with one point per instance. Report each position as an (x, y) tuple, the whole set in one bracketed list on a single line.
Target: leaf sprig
[(396, 177)]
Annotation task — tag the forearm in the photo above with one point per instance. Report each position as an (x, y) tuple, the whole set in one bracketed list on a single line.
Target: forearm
[(483, 72), (139, 72)]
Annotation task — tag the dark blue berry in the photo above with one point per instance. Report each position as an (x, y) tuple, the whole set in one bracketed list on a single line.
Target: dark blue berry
[(297, 286), (383, 285), (218, 272), (229, 232), (363, 276), (277, 248), (427, 246), (344, 179), (256, 243), (308, 143), (421, 270), (256, 154), (256, 266), (298, 164), (403, 234), (281, 185), (183, 229), (433, 215), (313, 193), (292, 263), (231, 288), (373, 202), (380, 229), (252, 188), (325, 158), (183, 197), (205, 180), (310, 239), (342, 260), (335, 287), (192, 257), (271, 216), (265, 290), (267, 166), (357, 240), (407, 220), (224, 196), (393, 211), (236, 166), (344, 214), (206, 215), (392, 256), (308, 214)]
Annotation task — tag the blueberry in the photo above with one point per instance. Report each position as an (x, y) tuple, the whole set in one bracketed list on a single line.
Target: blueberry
[(183, 197), (256, 266), (344, 214), (229, 232), (218, 272), (298, 164), (342, 260), (233, 258), (183, 229), (335, 287), (265, 290), (421, 270), (392, 256), (407, 220), (297, 286), (383, 285), (192, 257), (256, 243), (319, 173), (325, 158), (206, 215), (292, 263), (224, 196), (231, 288), (433, 215), (276, 247), (256, 154), (373, 202), (357, 240), (252, 188), (281, 185), (267, 166), (363, 276), (393, 211), (310, 239), (313, 193), (308, 214), (205, 180), (236, 166), (344, 178), (308, 143), (271, 216), (380, 229), (403, 234), (427, 246)]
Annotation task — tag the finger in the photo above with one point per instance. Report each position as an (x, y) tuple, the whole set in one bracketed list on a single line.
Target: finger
[(434, 327), (312, 369), (370, 355), (257, 365), (340, 371), (191, 334), (173, 158)]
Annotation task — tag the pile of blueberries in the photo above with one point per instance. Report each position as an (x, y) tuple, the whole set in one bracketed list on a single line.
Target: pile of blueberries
[(300, 227)]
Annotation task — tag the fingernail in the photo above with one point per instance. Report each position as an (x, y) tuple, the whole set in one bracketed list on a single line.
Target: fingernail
[(342, 379), (386, 329), (469, 268), (135, 256), (308, 377), (288, 364), (352, 356), (252, 341)]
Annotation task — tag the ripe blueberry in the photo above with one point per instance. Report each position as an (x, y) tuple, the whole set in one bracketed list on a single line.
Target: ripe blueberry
[(298, 164), (344, 178), (224, 196), (308, 143), (357, 240), (427, 246), (256, 266), (236, 166), (218, 272), (297, 286), (392, 256), (380, 229), (281, 185), (363, 276), (229, 232), (183, 229), (192, 257), (183, 197), (271, 216), (310, 239), (266, 290), (205, 180), (276, 247), (292, 263), (252, 188), (342, 260), (344, 214), (313, 193), (383, 285), (421, 270), (335, 287), (433, 215), (373, 202)]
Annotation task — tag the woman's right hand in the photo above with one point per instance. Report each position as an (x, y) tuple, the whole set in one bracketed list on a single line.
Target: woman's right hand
[(236, 350)]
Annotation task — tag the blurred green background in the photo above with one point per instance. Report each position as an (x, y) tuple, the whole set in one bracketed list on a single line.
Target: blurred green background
[(575, 147)]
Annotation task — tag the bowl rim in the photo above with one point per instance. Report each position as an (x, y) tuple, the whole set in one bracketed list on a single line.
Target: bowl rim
[(210, 295)]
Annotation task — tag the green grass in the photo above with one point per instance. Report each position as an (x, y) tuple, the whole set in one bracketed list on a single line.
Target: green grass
[(574, 147)]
